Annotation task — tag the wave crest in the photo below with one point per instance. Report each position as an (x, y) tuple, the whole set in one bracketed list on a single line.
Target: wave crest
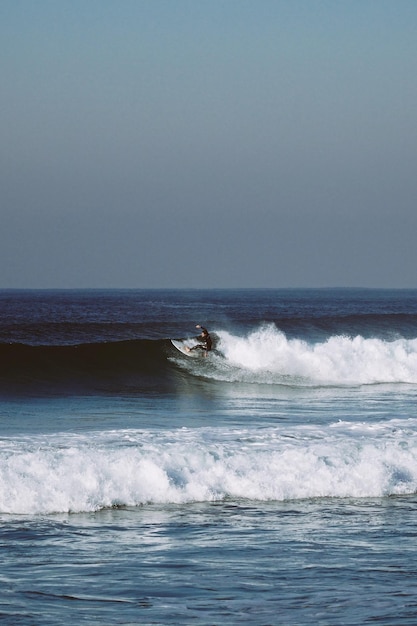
[(266, 355)]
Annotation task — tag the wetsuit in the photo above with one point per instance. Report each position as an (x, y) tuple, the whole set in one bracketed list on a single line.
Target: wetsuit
[(206, 342)]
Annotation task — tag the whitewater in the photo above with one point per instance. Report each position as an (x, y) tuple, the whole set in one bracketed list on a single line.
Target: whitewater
[(67, 473), (267, 356)]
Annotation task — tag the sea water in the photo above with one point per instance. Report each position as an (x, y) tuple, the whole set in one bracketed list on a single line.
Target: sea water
[(272, 482)]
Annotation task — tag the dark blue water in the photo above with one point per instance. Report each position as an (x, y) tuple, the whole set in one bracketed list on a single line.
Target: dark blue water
[(273, 482)]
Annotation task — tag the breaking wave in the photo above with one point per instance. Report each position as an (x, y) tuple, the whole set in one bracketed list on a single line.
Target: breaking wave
[(76, 473), (266, 355), (263, 356)]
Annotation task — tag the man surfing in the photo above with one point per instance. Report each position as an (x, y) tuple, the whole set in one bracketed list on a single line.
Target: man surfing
[(205, 342)]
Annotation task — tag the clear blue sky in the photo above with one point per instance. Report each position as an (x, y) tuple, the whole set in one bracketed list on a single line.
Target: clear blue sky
[(217, 143)]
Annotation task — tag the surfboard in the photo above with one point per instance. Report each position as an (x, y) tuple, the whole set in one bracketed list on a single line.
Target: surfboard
[(184, 349)]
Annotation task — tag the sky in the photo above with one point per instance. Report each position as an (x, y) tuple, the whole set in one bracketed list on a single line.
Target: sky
[(208, 143)]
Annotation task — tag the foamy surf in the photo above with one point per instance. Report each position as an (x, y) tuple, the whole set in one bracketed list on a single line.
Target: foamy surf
[(267, 356), (76, 473)]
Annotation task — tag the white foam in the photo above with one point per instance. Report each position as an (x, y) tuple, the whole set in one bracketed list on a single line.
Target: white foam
[(266, 355), (64, 473)]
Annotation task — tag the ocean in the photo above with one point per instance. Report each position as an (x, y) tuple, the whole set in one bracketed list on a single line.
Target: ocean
[(273, 482)]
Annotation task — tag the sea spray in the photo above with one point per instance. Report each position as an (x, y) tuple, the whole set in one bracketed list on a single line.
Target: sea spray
[(266, 355)]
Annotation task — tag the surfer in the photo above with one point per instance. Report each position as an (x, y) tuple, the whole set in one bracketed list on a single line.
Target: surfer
[(204, 339)]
